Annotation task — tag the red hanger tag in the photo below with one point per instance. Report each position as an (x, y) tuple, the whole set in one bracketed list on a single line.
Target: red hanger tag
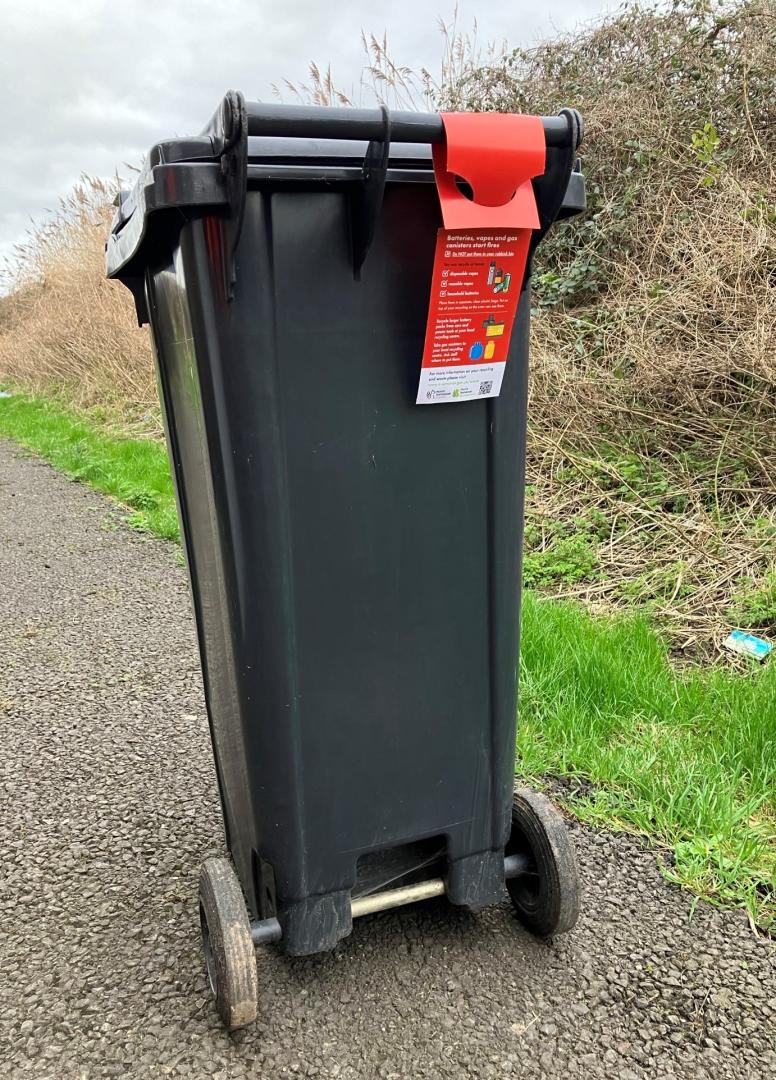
[(481, 252)]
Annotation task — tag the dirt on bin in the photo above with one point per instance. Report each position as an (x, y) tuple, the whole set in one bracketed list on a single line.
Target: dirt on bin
[(109, 806)]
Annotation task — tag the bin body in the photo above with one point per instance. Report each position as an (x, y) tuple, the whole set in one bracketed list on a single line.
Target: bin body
[(354, 558)]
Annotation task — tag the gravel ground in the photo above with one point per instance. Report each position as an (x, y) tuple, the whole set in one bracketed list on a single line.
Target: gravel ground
[(109, 805)]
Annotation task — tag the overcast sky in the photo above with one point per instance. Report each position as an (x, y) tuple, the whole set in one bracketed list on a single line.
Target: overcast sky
[(88, 85)]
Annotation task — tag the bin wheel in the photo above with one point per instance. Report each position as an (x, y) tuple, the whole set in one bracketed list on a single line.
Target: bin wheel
[(227, 944), (546, 897)]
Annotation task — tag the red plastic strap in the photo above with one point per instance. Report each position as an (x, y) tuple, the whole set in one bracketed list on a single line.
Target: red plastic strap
[(497, 154)]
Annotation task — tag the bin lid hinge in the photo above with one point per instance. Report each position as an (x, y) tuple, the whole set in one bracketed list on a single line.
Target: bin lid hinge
[(366, 200), (228, 131), (551, 187)]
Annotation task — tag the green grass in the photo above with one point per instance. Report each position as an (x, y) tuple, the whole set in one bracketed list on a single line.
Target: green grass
[(564, 561), (135, 472), (686, 759)]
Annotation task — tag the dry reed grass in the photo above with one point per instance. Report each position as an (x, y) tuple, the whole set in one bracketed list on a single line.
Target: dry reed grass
[(65, 329)]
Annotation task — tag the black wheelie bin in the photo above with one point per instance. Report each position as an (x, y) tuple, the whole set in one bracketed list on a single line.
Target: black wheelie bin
[(354, 557)]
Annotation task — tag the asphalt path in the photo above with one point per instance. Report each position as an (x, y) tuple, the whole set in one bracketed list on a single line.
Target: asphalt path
[(109, 805)]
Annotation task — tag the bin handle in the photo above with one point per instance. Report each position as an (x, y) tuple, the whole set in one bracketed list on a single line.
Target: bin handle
[(327, 122), (235, 119)]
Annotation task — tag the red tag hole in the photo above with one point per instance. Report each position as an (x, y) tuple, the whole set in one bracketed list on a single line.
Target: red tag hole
[(465, 189)]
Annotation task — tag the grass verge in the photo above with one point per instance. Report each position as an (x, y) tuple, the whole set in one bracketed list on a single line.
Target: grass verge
[(135, 472), (687, 759)]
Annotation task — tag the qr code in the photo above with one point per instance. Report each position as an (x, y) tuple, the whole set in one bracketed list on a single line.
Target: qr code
[(486, 387)]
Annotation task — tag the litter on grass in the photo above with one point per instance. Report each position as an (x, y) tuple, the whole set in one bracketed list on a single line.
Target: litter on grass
[(747, 644)]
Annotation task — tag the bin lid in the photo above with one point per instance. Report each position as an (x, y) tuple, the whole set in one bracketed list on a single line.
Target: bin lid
[(185, 175)]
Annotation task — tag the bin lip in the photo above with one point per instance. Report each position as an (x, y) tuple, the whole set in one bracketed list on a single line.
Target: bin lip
[(264, 149), (318, 154)]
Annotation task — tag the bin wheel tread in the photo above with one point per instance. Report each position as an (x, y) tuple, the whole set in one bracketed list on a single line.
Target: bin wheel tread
[(546, 897), (227, 943)]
